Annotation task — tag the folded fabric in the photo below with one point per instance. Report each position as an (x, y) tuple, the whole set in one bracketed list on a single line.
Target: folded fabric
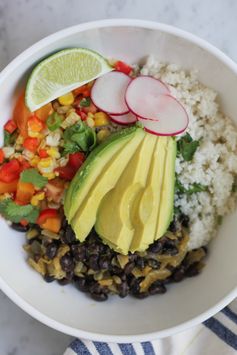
[(216, 336)]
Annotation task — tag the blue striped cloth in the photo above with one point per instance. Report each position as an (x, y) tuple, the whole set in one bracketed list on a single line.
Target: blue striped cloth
[(216, 336)]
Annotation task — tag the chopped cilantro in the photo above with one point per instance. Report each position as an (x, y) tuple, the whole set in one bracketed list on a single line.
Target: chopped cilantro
[(7, 137), (15, 213), (85, 102), (194, 188), (34, 177), (79, 137), (187, 147)]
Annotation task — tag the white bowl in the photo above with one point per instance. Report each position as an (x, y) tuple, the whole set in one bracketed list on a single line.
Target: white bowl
[(124, 320)]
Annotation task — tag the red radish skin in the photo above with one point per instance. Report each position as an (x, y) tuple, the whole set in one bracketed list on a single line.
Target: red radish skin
[(126, 119), (108, 93), (142, 93), (173, 118)]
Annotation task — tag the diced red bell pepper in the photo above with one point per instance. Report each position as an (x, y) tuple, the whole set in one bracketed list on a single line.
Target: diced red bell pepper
[(24, 222), (91, 108), (76, 160), (45, 214), (10, 126), (24, 164), (123, 67), (66, 172), (1, 156), (82, 114), (31, 144), (43, 153), (10, 171)]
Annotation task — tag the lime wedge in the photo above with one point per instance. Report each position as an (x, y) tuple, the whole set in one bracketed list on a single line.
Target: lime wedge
[(62, 72)]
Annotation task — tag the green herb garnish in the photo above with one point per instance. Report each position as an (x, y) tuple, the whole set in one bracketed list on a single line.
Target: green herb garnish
[(79, 137), (187, 147), (194, 188), (33, 176), (54, 121), (7, 137), (15, 213), (85, 102)]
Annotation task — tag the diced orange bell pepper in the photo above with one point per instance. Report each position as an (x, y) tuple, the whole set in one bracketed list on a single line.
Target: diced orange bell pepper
[(35, 124), (44, 112), (24, 192), (21, 115), (52, 224), (8, 187), (31, 144)]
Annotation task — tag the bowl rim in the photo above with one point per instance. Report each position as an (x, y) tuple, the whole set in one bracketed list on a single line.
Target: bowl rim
[(12, 294)]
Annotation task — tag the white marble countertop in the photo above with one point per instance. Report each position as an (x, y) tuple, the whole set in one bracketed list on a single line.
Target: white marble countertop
[(23, 22)]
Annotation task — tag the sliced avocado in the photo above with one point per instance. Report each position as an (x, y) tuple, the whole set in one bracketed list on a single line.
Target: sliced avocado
[(145, 215), (97, 161), (167, 197), (113, 224), (105, 180)]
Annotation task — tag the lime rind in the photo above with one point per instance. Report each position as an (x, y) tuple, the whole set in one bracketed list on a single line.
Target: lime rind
[(62, 72)]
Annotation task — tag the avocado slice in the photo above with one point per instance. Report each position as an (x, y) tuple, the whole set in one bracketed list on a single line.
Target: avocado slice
[(97, 161), (114, 224), (145, 216), (104, 180), (167, 196)]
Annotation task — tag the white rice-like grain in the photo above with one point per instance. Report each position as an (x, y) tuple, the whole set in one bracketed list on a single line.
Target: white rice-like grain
[(215, 162)]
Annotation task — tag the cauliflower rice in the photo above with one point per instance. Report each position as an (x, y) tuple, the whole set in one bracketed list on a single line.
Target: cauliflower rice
[(214, 164)]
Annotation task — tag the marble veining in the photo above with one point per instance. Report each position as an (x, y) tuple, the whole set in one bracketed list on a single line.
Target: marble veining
[(23, 22)]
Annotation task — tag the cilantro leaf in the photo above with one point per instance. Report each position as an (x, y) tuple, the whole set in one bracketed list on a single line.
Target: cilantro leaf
[(79, 137), (187, 147), (15, 213), (34, 177), (85, 102), (7, 137), (194, 188)]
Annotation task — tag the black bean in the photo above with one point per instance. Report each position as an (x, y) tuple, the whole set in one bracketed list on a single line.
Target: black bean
[(51, 250), (141, 295), (48, 278), (104, 263), (156, 247), (67, 263), (193, 270), (129, 267), (64, 281), (68, 236), (184, 220), (179, 274), (123, 289), (170, 247), (100, 297), (140, 262), (82, 284), (157, 288), (173, 226), (78, 252), (135, 285), (154, 264), (64, 224), (95, 287), (133, 257), (93, 262), (19, 227)]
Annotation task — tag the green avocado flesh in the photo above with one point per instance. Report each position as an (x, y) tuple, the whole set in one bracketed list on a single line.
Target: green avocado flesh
[(125, 189)]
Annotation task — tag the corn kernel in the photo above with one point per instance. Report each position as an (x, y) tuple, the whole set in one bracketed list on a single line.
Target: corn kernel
[(102, 134), (90, 122), (90, 114), (34, 134), (101, 119), (67, 99), (46, 162), (19, 140), (46, 165), (53, 152), (34, 161), (49, 176), (37, 198)]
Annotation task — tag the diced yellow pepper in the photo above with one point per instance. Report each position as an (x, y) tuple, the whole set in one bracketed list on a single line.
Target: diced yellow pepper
[(53, 152), (37, 198), (67, 99), (101, 119), (49, 176), (34, 161), (45, 163), (102, 134)]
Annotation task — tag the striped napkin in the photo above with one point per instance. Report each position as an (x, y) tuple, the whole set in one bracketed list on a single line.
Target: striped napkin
[(216, 336)]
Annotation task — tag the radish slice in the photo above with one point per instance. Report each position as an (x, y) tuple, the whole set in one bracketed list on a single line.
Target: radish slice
[(142, 95), (172, 118), (128, 118), (108, 93)]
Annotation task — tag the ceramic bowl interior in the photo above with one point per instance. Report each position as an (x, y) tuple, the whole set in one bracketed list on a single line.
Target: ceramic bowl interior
[(185, 304)]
